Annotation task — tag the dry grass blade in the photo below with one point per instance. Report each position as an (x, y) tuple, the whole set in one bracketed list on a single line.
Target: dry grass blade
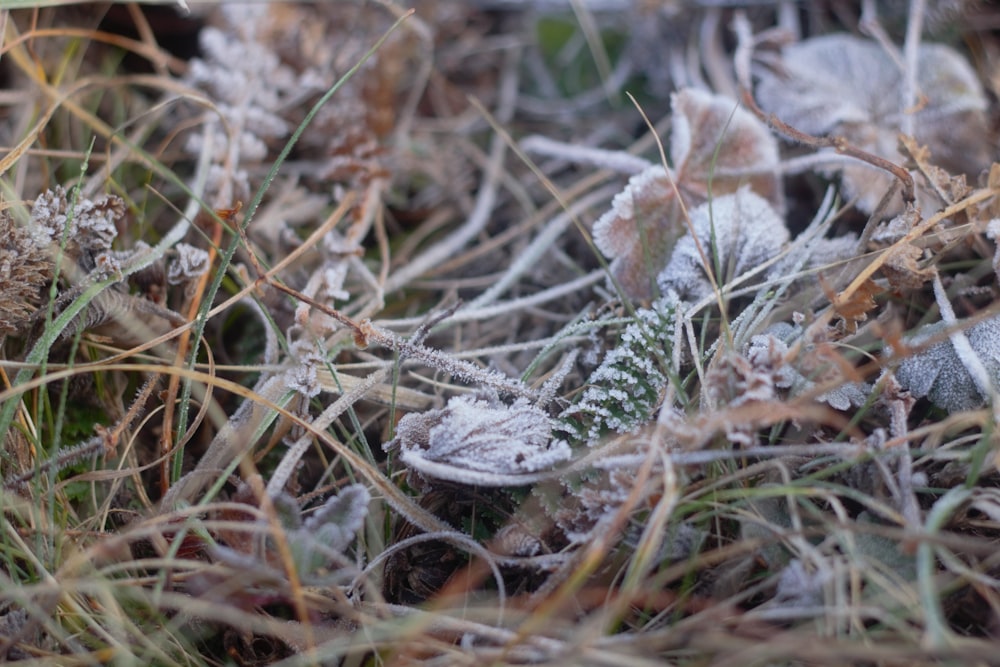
[(334, 334)]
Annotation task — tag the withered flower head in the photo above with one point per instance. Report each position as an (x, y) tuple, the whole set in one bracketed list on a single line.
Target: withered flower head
[(25, 266)]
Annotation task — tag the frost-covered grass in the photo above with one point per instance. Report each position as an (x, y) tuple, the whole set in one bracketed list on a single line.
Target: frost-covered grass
[(652, 333)]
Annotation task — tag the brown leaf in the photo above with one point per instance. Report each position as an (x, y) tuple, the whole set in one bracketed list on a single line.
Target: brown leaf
[(901, 267), (855, 307)]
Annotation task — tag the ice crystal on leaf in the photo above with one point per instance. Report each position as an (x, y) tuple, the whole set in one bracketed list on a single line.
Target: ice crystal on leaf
[(478, 439), (848, 86), (939, 373), (715, 147), (190, 263), (737, 232), (624, 391)]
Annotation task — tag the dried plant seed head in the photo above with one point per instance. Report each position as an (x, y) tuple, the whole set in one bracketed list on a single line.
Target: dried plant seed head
[(25, 267), (91, 225)]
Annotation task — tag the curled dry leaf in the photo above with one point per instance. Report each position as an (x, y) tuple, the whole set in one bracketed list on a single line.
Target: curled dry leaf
[(902, 270), (479, 440), (737, 232), (715, 147), (854, 308), (191, 262), (845, 85)]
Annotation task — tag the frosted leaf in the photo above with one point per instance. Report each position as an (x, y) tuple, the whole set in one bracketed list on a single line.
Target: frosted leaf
[(845, 396), (316, 542), (797, 587), (845, 85), (738, 232), (479, 434), (339, 519), (587, 501), (938, 372), (333, 281), (713, 141), (252, 149), (824, 252), (108, 265), (304, 377), (624, 391), (639, 229), (191, 262), (515, 540), (736, 381), (48, 213), (766, 351), (95, 221), (260, 123)]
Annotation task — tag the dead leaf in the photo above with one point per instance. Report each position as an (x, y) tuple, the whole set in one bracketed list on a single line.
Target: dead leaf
[(902, 269)]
